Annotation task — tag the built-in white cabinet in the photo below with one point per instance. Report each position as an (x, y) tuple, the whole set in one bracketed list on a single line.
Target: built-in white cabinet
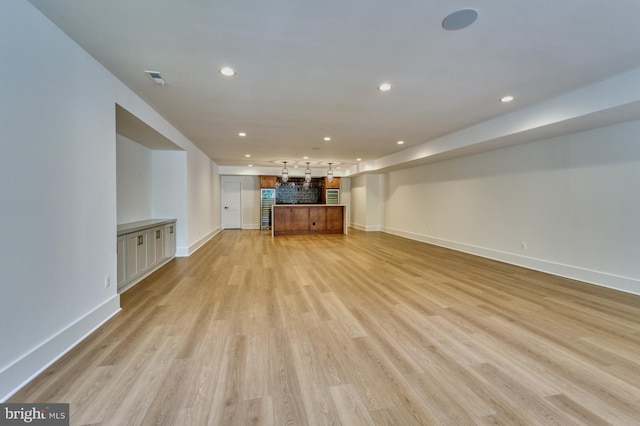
[(136, 258), (121, 252), (170, 240), (156, 247), (142, 248)]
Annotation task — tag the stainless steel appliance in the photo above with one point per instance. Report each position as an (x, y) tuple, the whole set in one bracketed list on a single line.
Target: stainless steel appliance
[(267, 199), (333, 196)]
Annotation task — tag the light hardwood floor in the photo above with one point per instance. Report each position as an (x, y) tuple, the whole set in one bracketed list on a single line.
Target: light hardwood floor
[(365, 328)]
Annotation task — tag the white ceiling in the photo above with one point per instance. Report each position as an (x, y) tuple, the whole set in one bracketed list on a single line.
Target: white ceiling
[(306, 70)]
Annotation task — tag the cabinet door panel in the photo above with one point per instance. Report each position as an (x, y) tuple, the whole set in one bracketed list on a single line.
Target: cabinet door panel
[(267, 181), (151, 248), (170, 241), (335, 183), (172, 244), (142, 247), (158, 239), (166, 242), (300, 219), (335, 219), (282, 218), (122, 260), (132, 256), (317, 219)]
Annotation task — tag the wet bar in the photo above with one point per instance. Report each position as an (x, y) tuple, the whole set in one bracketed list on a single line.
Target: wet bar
[(300, 219)]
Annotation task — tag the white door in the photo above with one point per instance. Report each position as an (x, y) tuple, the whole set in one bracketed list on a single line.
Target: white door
[(231, 212)]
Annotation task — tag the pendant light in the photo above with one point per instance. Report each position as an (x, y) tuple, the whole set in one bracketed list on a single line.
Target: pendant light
[(307, 174), (330, 174), (285, 173)]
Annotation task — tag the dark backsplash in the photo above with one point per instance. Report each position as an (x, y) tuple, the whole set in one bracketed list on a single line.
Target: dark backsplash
[(288, 194)]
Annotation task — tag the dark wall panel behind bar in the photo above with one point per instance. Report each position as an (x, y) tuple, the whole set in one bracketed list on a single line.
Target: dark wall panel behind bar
[(288, 194)]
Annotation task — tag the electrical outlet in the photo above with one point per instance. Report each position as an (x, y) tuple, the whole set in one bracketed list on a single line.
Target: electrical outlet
[(523, 245), (107, 281)]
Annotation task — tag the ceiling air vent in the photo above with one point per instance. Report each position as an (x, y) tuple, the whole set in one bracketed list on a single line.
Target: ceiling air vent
[(155, 75)]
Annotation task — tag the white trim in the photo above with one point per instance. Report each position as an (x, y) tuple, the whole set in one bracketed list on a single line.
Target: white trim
[(202, 241), (602, 279), (19, 373), (366, 228), (358, 226)]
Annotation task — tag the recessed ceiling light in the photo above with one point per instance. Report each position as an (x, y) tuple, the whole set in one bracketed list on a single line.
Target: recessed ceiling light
[(242, 134), (305, 158), (459, 19), (400, 142), (384, 87), (250, 165), (327, 138), (247, 155), (358, 159), (227, 71), (506, 99)]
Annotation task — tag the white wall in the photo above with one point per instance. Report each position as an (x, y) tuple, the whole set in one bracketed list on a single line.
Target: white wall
[(250, 199), (375, 206), (169, 192), (367, 209), (133, 177), (345, 196), (216, 201), (358, 211), (573, 200), (58, 188), (201, 199), (203, 202), (163, 184), (58, 191)]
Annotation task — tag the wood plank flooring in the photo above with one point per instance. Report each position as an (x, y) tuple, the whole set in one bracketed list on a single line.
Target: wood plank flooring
[(364, 328)]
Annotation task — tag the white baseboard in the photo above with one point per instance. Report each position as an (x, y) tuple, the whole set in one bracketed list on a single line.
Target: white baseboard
[(367, 228), (251, 226), (603, 279), (188, 251), (21, 372)]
